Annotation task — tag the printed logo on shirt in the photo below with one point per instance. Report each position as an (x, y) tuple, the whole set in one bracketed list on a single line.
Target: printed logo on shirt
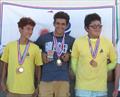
[(28, 54), (101, 51), (49, 46)]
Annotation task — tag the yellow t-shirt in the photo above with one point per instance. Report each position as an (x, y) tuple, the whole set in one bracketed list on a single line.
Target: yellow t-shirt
[(21, 83), (89, 77)]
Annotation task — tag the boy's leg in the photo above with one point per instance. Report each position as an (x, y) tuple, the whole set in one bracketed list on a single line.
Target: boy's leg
[(45, 89), (61, 89)]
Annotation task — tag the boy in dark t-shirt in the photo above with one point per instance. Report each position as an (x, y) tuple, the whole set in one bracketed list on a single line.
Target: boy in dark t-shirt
[(56, 47)]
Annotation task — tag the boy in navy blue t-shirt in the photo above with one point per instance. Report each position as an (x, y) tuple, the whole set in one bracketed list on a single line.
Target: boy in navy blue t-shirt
[(56, 47)]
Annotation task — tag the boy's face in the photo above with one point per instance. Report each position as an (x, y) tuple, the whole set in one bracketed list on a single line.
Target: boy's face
[(26, 31), (60, 25), (94, 29)]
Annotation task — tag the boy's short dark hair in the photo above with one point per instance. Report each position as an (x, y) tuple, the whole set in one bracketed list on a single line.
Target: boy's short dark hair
[(26, 21), (91, 17), (62, 15)]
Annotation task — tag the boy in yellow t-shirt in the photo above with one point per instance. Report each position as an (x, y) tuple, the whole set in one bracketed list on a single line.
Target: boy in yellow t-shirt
[(21, 61), (89, 60)]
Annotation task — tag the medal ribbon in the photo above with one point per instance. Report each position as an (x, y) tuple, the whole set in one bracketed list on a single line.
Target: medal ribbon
[(95, 51), (22, 58), (59, 50)]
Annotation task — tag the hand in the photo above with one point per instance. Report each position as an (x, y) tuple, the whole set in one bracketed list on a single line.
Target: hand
[(65, 57), (115, 93), (3, 86), (44, 58), (36, 92)]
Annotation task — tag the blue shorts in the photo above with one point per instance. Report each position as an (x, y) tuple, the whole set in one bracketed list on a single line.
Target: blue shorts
[(87, 93)]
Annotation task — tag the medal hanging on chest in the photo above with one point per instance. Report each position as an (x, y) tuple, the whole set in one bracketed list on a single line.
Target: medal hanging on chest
[(21, 58), (94, 52), (20, 69), (59, 49)]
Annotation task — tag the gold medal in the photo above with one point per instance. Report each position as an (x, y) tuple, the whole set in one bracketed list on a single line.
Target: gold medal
[(20, 69), (59, 62), (94, 51), (93, 63)]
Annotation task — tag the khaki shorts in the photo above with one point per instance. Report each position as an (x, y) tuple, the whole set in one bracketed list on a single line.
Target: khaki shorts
[(54, 89)]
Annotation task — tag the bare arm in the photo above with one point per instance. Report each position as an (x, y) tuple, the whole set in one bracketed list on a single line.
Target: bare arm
[(4, 76), (37, 75), (117, 76), (37, 80)]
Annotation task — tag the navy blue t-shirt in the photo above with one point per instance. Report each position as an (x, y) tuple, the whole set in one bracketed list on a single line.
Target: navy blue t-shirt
[(50, 71)]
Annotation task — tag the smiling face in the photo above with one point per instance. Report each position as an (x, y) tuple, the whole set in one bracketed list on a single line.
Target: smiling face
[(94, 29), (26, 31), (60, 26)]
